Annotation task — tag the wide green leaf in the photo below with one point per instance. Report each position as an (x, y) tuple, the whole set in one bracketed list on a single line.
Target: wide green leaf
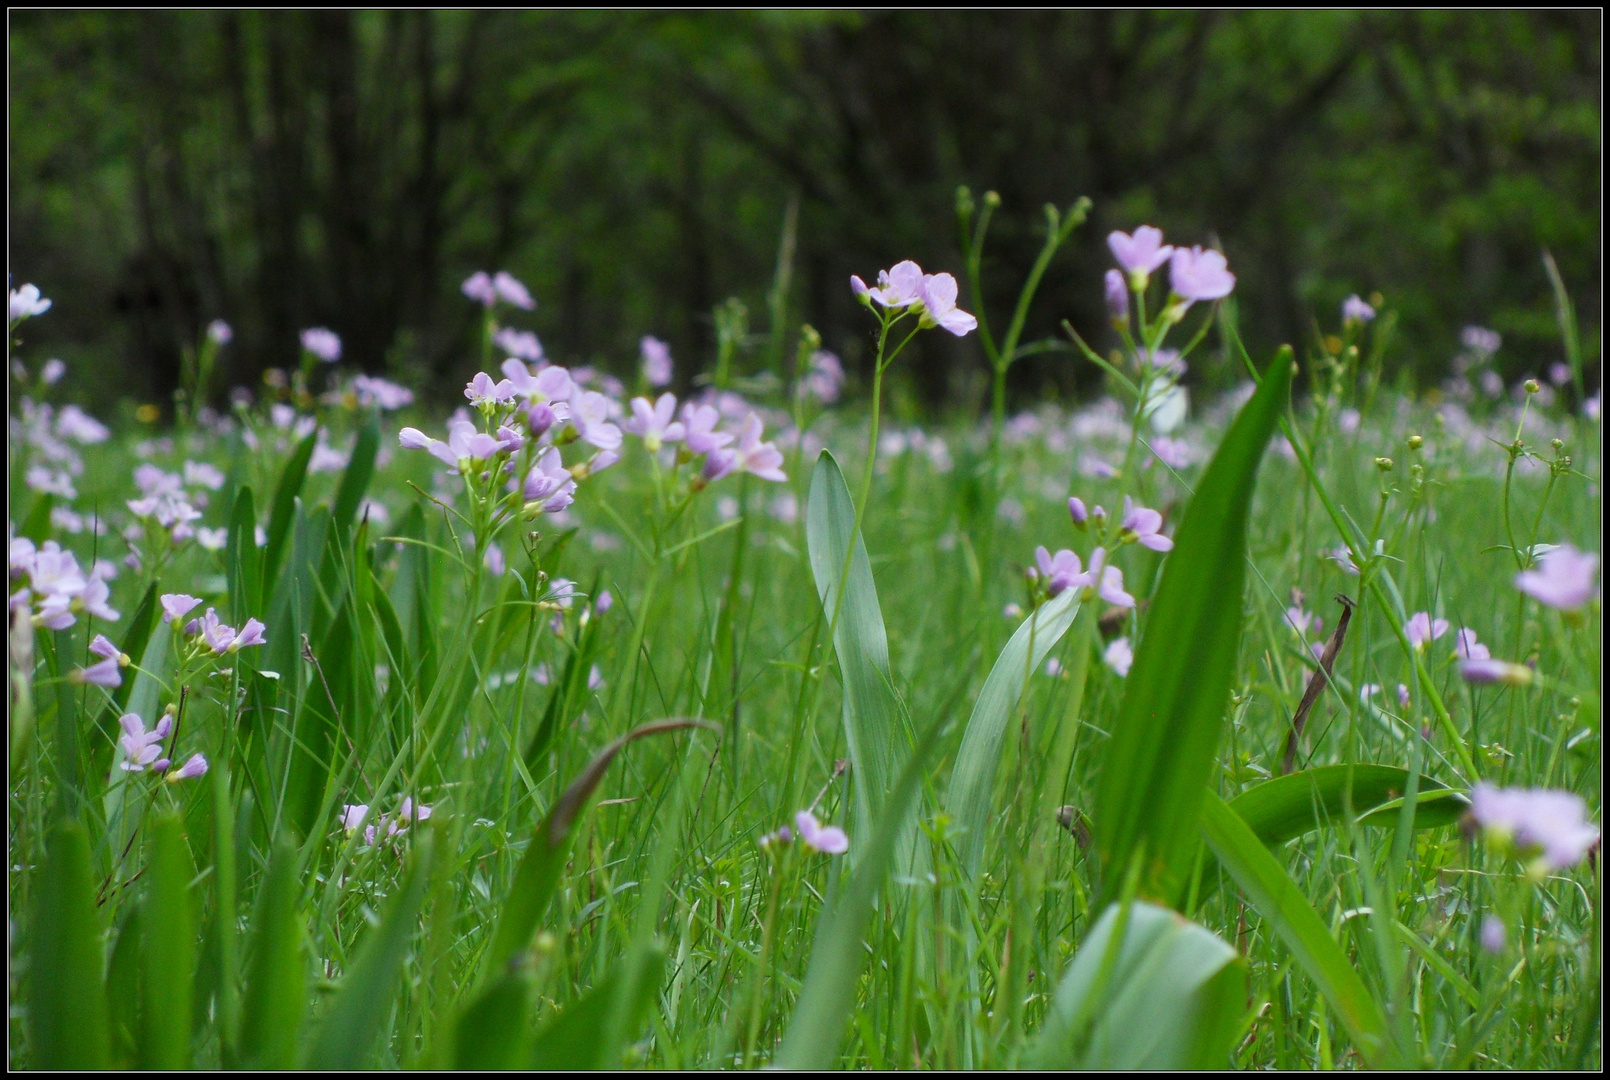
[(1270, 890), (67, 1017), (277, 973), (167, 949), (284, 512), (837, 953), (545, 854), (1148, 989), (575, 1040), (1289, 806), (972, 781), (493, 1030), (349, 1027), (876, 728), (1168, 729), (243, 559)]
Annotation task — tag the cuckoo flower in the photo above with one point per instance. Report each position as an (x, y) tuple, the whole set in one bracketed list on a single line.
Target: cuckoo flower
[(654, 424), (195, 767), (511, 291), (549, 483), (176, 606), (1107, 581), (699, 424), (898, 287), (1552, 823), (1356, 310), (323, 343), (482, 390), (1117, 298), (752, 456), (1119, 656), (26, 303), (1198, 274), (521, 344), (1060, 571), (828, 839), (589, 412), (142, 748), (1485, 671), (1466, 647), (1140, 525), (250, 634), (220, 332), (1141, 253), (370, 390), (104, 673), (656, 356), (478, 287), (1563, 578), (1422, 629), (825, 377), (939, 303)]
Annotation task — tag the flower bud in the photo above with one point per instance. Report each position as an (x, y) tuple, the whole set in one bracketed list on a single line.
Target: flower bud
[(1531, 386), (1384, 464), (1117, 298), (1415, 442)]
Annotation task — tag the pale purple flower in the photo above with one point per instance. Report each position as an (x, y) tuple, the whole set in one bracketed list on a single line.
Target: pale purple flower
[(785, 508), (939, 301), (1348, 420), (1492, 384), (1422, 629), (549, 482), (353, 815), (509, 439), (50, 482), (510, 289), (1077, 511), (589, 412), (326, 458), (1164, 362), (464, 443), (106, 672), (898, 287), (1060, 571), (1403, 696), (1480, 340), (656, 356), (601, 461), (859, 288), (1107, 581), (76, 424), (825, 378), (382, 392), (1119, 656), (1175, 453), (1198, 274), (195, 767), (1141, 253), (1012, 612), (757, 458), (411, 438), (1559, 374), (1563, 578), (142, 748), (250, 634), (1095, 467), (483, 390), (828, 839), (1354, 309), (655, 424), (323, 343), (220, 332), (562, 591), (1140, 525), (1486, 671), (202, 474), (700, 434), (1303, 622), (21, 555), (604, 602), (1117, 297), (52, 372), (1342, 557), (26, 303), (521, 344), (478, 287), (215, 633), (1493, 935), (1553, 822), (1466, 647), (94, 599), (1053, 667)]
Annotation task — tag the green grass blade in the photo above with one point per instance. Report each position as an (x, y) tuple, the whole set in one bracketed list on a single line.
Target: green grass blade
[(1169, 995), (1289, 806), (123, 990), (168, 949), (244, 560), (67, 1016), (493, 1031), (292, 478), (826, 1000), (1288, 913), (350, 1025), (972, 781), (277, 973), (1168, 728), (571, 1042), (545, 855), (875, 726), (360, 470)]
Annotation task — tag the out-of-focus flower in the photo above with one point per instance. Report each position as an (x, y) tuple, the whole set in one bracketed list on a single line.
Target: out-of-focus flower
[(1403, 696), (1198, 274), (389, 396), (220, 332), (549, 483), (1493, 935), (1486, 671), (176, 606), (26, 303), (1341, 557), (493, 558), (1117, 297), (1563, 578), (1303, 622), (700, 434), (478, 287), (1422, 629), (1559, 374), (202, 474), (1060, 571), (1077, 511), (323, 343), (1175, 453), (939, 302), (1354, 309), (52, 372), (654, 424), (1552, 823), (752, 456), (1140, 525), (828, 839), (512, 291), (825, 378), (1119, 656), (1107, 581), (1141, 253), (656, 356), (521, 344), (1480, 340), (1466, 647), (589, 412), (785, 508), (604, 602), (1095, 467)]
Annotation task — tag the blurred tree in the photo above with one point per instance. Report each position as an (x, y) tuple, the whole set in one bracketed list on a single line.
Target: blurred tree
[(286, 169)]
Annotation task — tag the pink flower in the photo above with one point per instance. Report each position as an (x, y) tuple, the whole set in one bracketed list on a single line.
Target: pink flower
[(1421, 629), (323, 343), (1119, 656), (1141, 253), (653, 423), (828, 839), (178, 605), (1141, 525), (939, 301), (1196, 274), (898, 287), (1060, 571), (1552, 822), (656, 356), (1563, 578), (700, 434), (478, 287), (512, 291), (481, 390)]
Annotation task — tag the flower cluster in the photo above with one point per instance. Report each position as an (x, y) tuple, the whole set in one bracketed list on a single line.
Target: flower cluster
[(142, 750), (1548, 827), (386, 826), (209, 631), (1193, 273), (724, 454), (58, 589), (827, 839), (906, 289), (489, 290)]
